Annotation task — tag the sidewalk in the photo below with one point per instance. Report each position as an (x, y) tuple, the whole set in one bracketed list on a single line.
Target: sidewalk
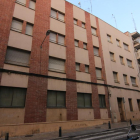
[(74, 132)]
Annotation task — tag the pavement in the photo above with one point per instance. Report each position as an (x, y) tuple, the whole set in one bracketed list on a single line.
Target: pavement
[(118, 131)]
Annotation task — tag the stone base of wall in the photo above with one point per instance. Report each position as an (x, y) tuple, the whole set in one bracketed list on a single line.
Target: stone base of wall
[(33, 128)]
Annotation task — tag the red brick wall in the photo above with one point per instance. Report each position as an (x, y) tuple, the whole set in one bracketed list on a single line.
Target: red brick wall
[(6, 14), (82, 67), (80, 44), (71, 89), (95, 98), (103, 67), (79, 23), (35, 109), (24, 27)]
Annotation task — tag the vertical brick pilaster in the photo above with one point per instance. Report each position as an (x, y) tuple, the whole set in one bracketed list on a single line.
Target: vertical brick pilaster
[(35, 108), (71, 89), (6, 14), (80, 44), (82, 67), (79, 23), (95, 98), (27, 3), (103, 67), (24, 27)]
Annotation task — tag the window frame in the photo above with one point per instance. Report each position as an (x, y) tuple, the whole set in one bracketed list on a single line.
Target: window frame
[(135, 85), (84, 25), (117, 80), (122, 59), (101, 103), (74, 19), (131, 63), (110, 41), (98, 78), (130, 104), (75, 40), (32, 28), (126, 83), (35, 5), (87, 67), (76, 66), (94, 51), (15, 29), (127, 46), (117, 40), (113, 56), (85, 45), (94, 29)]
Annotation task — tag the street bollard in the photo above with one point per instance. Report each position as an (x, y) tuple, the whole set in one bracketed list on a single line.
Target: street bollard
[(7, 136), (60, 132), (130, 121), (109, 125)]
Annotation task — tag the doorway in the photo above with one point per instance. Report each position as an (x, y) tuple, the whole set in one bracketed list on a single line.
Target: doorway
[(120, 106)]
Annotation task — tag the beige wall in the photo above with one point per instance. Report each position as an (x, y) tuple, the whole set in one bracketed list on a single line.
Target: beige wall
[(14, 80), (83, 76), (56, 74), (20, 41), (95, 41), (11, 116), (58, 5), (84, 88), (93, 21), (85, 114), (53, 115), (101, 89), (98, 63), (104, 113), (24, 13)]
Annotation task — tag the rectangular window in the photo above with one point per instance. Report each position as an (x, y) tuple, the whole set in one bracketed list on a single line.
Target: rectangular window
[(53, 13), (61, 39), (112, 56), (76, 42), (32, 4), (29, 29), (96, 51), (133, 81), (83, 25), (17, 57), (84, 100), (87, 68), (17, 25), (53, 37), (121, 60), (126, 47), (109, 38), (12, 97), (125, 79), (85, 45), (56, 99), (77, 67), (130, 104), (138, 101), (61, 16), (129, 63), (99, 73), (115, 75), (93, 31), (56, 64), (118, 42), (102, 101), (75, 21), (22, 2)]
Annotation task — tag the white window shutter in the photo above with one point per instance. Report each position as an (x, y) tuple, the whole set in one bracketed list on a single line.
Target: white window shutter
[(77, 66), (115, 76), (133, 80), (129, 63), (84, 45), (125, 46), (53, 37), (29, 29), (98, 73), (93, 30), (112, 56), (17, 25), (96, 51), (60, 16), (76, 43), (61, 40), (21, 1), (53, 13), (32, 4), (87, 69), (75, 21)]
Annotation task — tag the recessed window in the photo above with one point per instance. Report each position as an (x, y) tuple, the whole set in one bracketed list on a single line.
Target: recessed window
[(109, 38), (102, 101), (53, 37), (129, 63), (53, 13), (75, 21), (83, 25), (29, 29), (133, 81), (115, 75), (76, 43), (32, 4), (56, 99), (17, 25), (12, 97), (22, 2), (125, 79), (125, 46), (77, 67), (61, 39), (87, 68), (118, 42), (85, 46), (17, 57), (56, 64), (93, 31), (61, 16), (121, 60), (84, 100), (112, 57), (130, 104), (96, 51), (99, 73), (138, 101)]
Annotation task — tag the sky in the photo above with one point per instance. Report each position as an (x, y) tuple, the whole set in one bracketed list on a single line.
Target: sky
[(121, 9)]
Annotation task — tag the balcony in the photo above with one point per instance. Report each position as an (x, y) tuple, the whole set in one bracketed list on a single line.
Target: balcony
[(137, 44), (138, 55)]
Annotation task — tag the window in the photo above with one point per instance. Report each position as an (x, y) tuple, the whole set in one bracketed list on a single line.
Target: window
[(56, 64), (96, 51), (125, 79), (93, 31), (84, 100), (121, 60), (76, 42), (61, 16), (99, 73), (17, 57), (56, 99), (133, 81), (129, 63), (83, 25), (32, 4), (53, 13), (130, 104), (29, 29), (75, 21), (112, 56), (12, 97), (17, 25), (57, 38), (85, 45), (109, 38), (138, 101), (22, 2), (115, 75), (87, 68), (126, 47), (77, 67), (118, 42), (102, 101)]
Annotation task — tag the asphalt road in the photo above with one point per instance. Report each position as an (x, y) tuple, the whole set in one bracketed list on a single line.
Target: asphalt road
[(119, 134)]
